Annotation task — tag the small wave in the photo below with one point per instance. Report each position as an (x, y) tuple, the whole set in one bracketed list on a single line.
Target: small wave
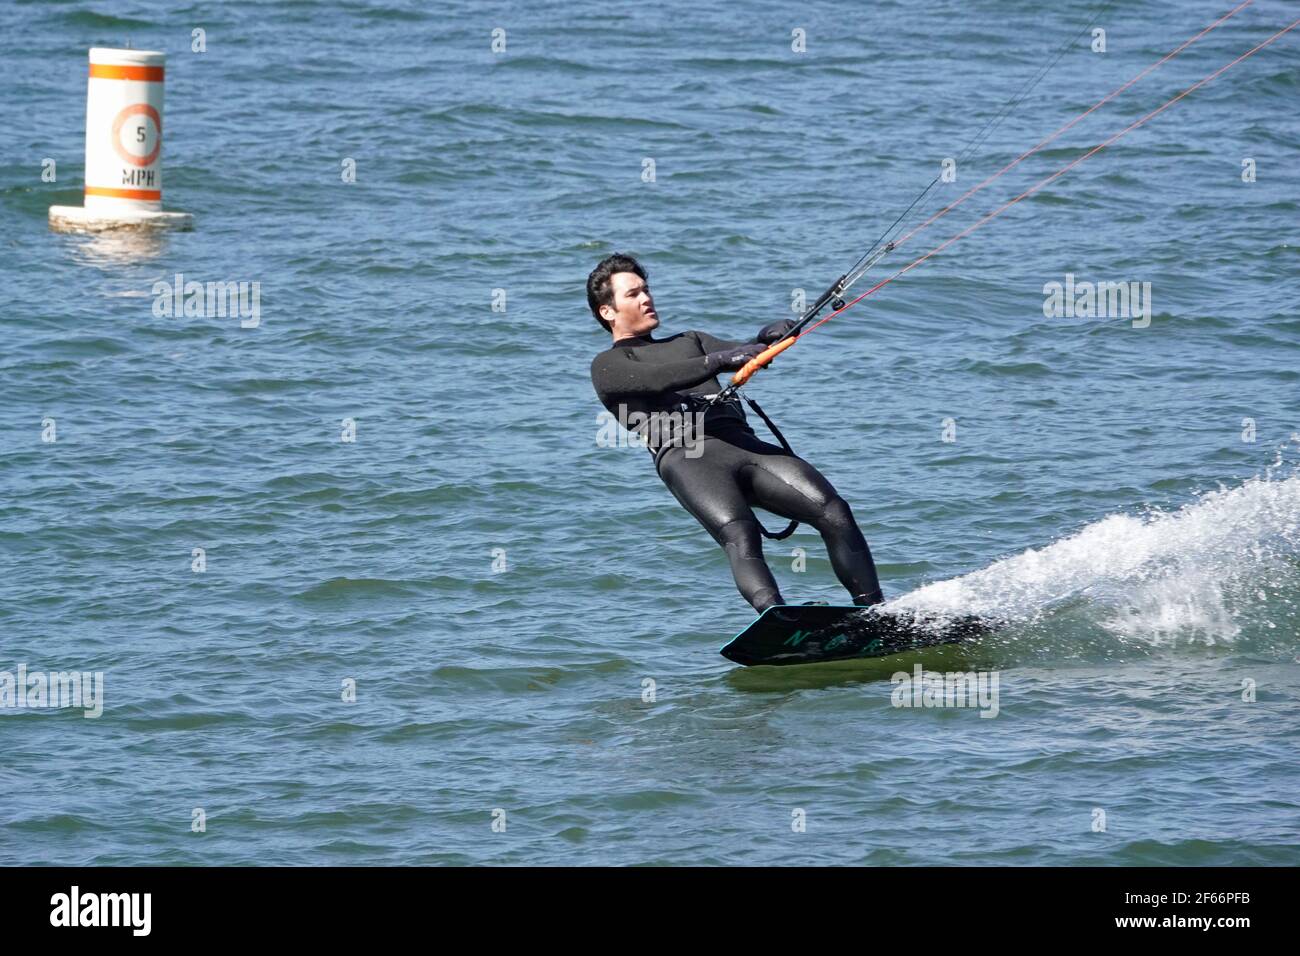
[(100, 21), (528, 62), (1011, 369), (344, 589)]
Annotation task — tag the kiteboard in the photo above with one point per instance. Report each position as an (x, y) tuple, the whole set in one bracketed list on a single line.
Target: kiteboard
[(811, 633)]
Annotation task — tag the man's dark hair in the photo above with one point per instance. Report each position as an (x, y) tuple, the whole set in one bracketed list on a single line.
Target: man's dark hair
[(600, 291)]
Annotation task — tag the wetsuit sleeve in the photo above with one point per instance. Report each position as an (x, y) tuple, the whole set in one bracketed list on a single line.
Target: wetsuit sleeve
[(617, 373), (711, 344)]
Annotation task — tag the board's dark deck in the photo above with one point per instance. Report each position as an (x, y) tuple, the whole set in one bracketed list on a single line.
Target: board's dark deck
[(805, 634)]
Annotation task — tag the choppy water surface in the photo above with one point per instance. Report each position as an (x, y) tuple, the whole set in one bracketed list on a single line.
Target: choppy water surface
[(1125, 499)]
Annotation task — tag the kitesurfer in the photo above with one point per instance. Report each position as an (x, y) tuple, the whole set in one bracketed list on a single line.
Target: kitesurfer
[(707, 455)]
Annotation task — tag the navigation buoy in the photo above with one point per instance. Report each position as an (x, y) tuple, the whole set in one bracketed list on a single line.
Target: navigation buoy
[(124, 127)]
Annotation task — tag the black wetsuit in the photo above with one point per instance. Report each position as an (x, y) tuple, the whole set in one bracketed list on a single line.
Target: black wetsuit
[(719, 474)]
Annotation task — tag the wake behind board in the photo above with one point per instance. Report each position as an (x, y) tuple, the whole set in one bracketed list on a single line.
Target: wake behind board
[(811, 633)]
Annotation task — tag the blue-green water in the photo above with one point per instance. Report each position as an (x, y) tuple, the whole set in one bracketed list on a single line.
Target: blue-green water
[(1101, 494)]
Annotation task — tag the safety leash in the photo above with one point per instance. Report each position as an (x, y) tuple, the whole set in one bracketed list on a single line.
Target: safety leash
[(771, 426)]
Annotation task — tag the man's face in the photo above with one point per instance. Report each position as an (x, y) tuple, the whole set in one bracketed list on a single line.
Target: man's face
[(633, 311)]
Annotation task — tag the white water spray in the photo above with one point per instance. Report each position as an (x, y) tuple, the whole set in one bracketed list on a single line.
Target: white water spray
[(1229, 558)]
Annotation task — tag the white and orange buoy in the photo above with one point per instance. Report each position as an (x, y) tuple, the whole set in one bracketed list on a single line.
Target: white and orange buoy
[(124, 130)]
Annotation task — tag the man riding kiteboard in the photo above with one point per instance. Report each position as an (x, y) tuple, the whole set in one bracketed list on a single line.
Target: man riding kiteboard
[(707, 455)]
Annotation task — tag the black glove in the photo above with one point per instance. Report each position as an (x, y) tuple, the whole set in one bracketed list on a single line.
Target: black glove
[(732, 358), (774, 332)]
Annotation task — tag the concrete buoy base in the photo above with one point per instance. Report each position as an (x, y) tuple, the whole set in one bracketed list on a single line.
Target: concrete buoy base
[(124, 134), (81, 219)]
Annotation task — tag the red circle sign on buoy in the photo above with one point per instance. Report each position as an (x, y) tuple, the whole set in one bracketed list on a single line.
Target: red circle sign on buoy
[(135, 109)]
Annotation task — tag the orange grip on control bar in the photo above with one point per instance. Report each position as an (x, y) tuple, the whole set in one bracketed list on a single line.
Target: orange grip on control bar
[(759, 361)]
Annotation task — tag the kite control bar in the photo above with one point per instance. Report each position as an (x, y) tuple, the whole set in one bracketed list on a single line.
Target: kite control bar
[(759, 361)]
